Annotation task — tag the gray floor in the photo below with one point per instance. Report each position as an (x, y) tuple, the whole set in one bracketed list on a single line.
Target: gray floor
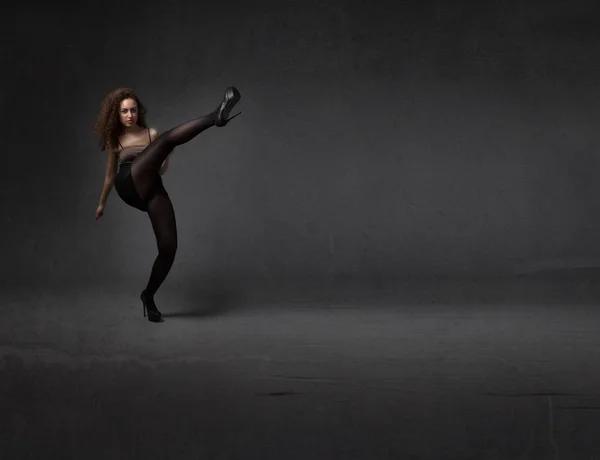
[(422, 369)]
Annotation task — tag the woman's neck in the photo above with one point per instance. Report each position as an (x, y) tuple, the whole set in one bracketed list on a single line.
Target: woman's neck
[(133, 129)]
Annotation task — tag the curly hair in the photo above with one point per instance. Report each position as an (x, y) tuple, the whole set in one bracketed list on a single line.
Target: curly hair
[(108, 125)]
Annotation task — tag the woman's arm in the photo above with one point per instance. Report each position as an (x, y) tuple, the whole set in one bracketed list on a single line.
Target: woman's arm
[(109, 179)]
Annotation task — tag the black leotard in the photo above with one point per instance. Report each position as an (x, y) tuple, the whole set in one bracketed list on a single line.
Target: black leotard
[(124, 181)]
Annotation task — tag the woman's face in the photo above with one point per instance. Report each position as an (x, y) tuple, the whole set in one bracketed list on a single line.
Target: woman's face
[(128, 112)]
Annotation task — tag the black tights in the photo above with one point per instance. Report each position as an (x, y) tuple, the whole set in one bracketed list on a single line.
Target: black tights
[(145, 174)]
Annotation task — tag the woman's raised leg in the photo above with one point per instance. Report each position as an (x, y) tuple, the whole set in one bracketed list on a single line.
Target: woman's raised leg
[(145, 167)]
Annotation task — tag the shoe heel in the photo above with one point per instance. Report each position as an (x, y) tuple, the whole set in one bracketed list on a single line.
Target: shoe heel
[(152, 312), (231, 118)]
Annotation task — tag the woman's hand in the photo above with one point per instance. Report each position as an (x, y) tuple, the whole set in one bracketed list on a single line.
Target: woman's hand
[(99, 211)]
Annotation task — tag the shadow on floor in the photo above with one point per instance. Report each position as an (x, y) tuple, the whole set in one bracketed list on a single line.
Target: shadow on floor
[(221, 296), (201, 301)]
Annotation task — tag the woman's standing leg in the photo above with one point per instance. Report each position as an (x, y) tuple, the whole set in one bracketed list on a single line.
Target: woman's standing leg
[(162, 216)]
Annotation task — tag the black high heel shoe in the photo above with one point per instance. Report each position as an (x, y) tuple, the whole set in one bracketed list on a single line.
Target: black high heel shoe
[(232, 97), (149, 306)]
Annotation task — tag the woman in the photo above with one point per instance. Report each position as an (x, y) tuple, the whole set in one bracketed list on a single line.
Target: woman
[(137, 157)]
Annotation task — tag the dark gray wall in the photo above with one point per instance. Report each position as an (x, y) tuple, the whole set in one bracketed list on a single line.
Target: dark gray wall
[(378, 138)]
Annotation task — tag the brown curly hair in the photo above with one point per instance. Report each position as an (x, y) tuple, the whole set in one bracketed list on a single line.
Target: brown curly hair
[(108, 125)]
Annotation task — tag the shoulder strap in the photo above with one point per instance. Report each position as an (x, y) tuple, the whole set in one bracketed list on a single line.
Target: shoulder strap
[(149, 137)]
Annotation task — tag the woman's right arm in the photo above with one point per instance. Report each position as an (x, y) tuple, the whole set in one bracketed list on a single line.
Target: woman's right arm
[(109, 179)]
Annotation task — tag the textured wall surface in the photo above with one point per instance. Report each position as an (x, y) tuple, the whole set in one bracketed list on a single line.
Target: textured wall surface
[(399, 139)]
